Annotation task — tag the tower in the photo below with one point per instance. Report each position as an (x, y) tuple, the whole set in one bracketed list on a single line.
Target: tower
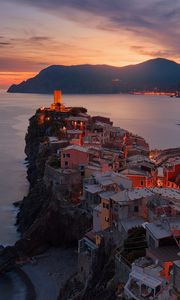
[(57, 97)]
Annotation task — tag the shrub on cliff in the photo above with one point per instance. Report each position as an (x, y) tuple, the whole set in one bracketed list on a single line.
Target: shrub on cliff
[(76, 110), (135, 244), (54, 161)]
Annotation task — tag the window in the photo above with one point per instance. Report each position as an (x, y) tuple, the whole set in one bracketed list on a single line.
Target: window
[(106, 219), (66, 155), (105, 205), (66, 163), (158, 288), (142, 183), (136, 208)]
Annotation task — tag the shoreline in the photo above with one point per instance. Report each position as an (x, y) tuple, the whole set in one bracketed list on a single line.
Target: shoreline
[(30, 290), (27, 269), (50, 270)]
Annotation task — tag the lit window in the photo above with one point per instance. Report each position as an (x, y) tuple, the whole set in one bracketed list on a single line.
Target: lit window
[(106, 219)]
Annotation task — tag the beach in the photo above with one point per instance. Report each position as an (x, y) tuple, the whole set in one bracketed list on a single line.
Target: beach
[(50, 270)]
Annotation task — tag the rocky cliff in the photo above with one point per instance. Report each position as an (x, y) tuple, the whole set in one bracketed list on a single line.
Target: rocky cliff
[(43, 219)]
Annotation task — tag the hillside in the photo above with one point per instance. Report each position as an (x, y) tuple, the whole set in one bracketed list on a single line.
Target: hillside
[(161, 74)]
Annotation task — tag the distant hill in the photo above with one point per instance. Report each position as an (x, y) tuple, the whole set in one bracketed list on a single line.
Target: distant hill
[(159, 73)]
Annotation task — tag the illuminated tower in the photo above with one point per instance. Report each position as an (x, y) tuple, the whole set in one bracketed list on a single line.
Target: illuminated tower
[(57, 97), (58, 106)]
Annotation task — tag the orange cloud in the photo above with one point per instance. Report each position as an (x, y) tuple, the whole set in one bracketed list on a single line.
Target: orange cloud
[(69, 32)]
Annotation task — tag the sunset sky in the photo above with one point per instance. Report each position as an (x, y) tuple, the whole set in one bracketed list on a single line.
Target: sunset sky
[(38, 33)]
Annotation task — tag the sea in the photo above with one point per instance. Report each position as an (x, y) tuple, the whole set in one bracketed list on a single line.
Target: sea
[(156, 118)]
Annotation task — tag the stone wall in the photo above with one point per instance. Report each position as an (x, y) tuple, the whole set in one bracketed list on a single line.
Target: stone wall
[(62, 181), (122, 269)]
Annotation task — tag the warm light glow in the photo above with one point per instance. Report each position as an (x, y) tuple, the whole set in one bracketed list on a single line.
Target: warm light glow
[(75, 124), (57, 97), (71, 33), (7, 78)]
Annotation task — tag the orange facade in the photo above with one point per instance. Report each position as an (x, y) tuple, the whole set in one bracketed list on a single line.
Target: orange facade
[(140, 181), (167, 266)]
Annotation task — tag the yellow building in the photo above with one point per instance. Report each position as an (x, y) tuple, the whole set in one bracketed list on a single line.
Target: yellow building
[(106, 213)]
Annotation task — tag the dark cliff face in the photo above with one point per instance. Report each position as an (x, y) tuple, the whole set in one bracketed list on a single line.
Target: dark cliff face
[(35, 135), (158, 73), (100, 283), (47, 221), (42, 219)]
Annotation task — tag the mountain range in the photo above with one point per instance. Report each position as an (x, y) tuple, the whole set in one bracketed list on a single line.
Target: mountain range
[(153, 75)]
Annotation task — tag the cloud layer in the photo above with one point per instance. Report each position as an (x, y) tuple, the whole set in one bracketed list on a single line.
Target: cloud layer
[(155, 21), (35, 33)]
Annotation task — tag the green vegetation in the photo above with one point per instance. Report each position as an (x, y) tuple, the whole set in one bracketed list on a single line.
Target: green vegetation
[(54, 161), (76, 110), (135, 245)]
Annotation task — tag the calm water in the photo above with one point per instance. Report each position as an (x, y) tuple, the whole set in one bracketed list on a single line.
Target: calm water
[(155, 118)]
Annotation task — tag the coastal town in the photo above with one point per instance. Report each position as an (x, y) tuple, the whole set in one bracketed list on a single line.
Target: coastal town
[(102, 211), (89, 150), (132, 195)]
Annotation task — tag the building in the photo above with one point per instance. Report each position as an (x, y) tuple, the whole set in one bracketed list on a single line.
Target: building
[(100, 182), (74, 156), (160, 177), (87, 255), (129, 209), (163, 239), (140, 178), (125, 209), (135, 145), (176, 280), (102, 120), (172, 174), (92, 139), (77, 122), (146, 282)]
